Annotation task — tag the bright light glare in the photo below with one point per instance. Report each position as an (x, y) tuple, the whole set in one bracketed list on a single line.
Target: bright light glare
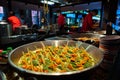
[(47, 2), (55, 1)]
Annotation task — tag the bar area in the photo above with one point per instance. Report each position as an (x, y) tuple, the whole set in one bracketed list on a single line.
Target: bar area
[(59, 39)]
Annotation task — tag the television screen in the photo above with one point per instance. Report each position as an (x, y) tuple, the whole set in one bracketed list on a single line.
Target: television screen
[(70, 15)]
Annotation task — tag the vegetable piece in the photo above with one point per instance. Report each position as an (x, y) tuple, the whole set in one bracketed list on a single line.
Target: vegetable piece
[(56, 59)]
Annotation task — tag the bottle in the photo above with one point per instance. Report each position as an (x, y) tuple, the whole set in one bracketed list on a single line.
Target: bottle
[(9, 49), (5, 52)]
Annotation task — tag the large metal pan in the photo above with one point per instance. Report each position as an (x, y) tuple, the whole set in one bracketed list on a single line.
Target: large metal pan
[(15, 55)]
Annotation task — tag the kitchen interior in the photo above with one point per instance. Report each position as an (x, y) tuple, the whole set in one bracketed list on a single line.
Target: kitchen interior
[(103, 43)]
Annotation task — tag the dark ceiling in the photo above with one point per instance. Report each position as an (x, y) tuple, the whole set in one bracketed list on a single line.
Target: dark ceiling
[(65, 2)]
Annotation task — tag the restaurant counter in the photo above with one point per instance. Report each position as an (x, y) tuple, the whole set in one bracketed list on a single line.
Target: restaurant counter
[(98, 74)]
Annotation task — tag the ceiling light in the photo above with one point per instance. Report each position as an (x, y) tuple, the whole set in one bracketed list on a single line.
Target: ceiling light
[(47, 2), (62, 5), (56, 1)]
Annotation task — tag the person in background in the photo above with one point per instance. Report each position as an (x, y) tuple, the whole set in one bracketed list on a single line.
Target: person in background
[(14, 21), (61, 22), (22, 18), (80, 22), (88, 23)]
